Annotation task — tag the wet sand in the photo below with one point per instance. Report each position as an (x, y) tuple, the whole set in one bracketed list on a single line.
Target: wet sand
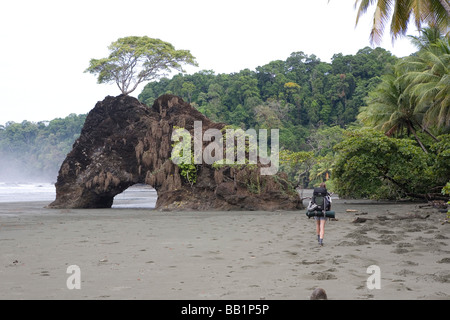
[(147, 254)]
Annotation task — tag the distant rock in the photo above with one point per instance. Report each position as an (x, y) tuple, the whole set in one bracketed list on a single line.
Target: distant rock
[(124, 142)]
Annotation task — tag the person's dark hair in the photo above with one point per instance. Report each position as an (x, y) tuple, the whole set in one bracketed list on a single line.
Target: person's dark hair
[(319, 294), (323, 185)]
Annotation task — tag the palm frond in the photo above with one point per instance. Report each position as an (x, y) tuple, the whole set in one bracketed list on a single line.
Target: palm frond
[(433, 13), (363, 6), (437, 15), (400, 18)]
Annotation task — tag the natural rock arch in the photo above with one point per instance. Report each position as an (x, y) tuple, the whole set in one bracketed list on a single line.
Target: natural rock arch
[(124, 142)]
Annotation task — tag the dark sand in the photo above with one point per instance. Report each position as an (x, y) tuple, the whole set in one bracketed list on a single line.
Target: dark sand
[(147, 254)]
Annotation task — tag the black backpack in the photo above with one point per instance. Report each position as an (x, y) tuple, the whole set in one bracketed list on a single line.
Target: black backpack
[(319, 198)]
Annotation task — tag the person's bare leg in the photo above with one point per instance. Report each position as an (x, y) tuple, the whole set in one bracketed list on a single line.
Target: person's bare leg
[(318, 229), (322, 230)]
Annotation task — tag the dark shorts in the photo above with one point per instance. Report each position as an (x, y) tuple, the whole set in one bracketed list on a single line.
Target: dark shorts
[(320, 218)]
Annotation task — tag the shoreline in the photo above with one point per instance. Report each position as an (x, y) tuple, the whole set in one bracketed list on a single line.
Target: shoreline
[(129, 253)]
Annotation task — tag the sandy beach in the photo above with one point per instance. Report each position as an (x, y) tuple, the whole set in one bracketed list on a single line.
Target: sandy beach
[(145, 254)]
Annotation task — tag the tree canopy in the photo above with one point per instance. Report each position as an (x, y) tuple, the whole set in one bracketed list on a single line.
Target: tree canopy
[(133, 60), (371, 165), (34, 151), (295, 95)]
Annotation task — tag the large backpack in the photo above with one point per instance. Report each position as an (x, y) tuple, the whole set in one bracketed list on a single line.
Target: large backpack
[(320, 200)]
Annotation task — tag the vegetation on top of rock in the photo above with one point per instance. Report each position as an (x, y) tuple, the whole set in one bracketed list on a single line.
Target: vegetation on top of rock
[(133, 60)]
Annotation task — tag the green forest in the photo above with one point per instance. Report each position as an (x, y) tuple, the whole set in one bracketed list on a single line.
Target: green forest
[(32, 151), (370, 124)]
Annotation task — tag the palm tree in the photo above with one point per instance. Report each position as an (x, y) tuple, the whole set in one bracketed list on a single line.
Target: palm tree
[(431, 12), (428, 75), (322, 168), (390, 109), (427, 39)]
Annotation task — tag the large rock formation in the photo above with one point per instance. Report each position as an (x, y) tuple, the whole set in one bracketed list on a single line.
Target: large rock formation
[(124, 142)]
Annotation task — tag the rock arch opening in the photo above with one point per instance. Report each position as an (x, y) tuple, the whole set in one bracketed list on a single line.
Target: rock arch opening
[(138, 196)]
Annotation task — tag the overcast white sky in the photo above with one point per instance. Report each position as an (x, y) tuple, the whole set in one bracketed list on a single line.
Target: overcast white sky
[(46, 45)]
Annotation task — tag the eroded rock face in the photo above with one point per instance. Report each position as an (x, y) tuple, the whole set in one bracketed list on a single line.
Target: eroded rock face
[(124, 142)]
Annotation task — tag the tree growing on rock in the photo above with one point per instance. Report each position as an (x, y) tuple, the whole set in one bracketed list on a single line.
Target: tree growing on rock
[(133, 60)]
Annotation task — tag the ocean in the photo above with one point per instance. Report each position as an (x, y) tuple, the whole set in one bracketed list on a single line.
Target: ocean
[(137, 196)]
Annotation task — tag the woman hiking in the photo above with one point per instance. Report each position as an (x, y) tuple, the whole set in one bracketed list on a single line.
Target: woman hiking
[(320, 220)]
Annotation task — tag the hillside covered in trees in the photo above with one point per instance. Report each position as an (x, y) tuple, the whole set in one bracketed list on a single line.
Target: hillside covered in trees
[(297, 95), (34, 151)]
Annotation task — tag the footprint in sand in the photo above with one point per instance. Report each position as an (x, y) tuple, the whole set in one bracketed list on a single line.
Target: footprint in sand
[(304, 262), (291, 253), (325, 275), (405, 273), (409, 263), (400, 251)]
